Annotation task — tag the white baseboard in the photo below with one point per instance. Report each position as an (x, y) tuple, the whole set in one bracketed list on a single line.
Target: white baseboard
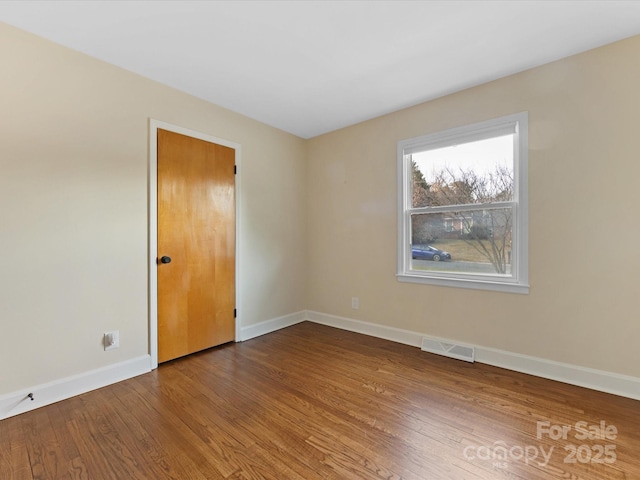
[(622, 385), (45, 394), (608, 382), (380, 331), (17, 402), (48, 393), (268, 326)]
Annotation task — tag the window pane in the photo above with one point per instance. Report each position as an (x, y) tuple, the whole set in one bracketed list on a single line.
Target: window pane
[(472, 241), (469, 173)]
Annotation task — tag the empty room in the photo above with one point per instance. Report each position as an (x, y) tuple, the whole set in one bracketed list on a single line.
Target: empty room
[(319, 240)]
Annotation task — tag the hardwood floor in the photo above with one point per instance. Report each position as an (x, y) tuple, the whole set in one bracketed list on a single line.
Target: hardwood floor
[(313, 402)]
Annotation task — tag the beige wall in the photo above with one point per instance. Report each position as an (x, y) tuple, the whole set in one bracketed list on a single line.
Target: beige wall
[(73, 221), (73, 215), (584, 169)]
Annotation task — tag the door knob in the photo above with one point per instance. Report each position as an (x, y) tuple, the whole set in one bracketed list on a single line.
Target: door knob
[(165, 259)]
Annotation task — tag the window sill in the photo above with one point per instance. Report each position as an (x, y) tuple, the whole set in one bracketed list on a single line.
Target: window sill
[(472, 283)]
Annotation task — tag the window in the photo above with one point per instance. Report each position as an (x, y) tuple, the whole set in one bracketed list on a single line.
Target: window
[(462, 213)]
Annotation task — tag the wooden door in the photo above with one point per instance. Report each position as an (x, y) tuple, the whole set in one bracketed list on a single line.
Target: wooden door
[(196, 245)]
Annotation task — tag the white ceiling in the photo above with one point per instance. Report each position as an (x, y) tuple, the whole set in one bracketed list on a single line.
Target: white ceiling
[(309, 67)]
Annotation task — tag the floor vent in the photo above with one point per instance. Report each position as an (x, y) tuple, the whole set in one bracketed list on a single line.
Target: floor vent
[(459, 352)]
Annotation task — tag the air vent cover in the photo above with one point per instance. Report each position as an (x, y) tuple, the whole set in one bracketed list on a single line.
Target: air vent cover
[(459, 352)]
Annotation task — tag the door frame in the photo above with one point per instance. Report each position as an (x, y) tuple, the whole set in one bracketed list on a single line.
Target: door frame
[(152, 193)]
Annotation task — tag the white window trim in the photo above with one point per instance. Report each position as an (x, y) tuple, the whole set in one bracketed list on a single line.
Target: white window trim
[(518, 282)]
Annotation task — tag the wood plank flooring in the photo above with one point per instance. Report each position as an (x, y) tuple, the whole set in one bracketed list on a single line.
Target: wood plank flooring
[(313, 402)]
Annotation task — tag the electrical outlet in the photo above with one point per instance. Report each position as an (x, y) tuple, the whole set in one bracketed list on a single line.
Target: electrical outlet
[(355, 303), (111, 340)]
